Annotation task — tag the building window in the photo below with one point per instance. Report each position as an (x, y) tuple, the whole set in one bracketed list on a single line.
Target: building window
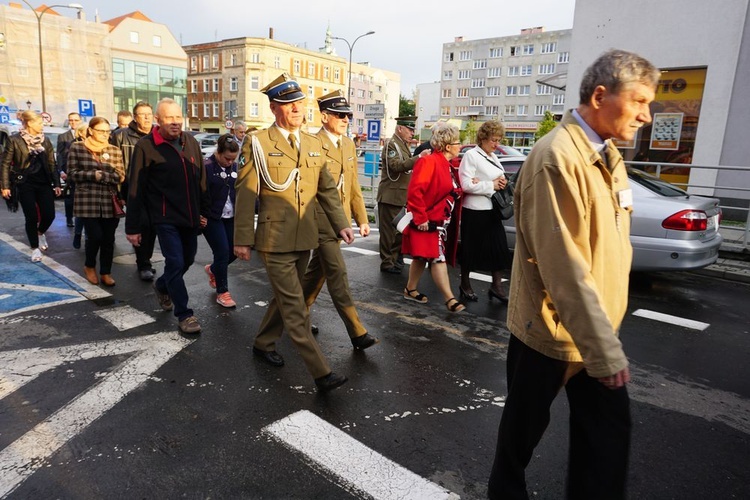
[(528, 49), (462, 92), (461, 110), (549, 47), (496, 52), (476, 101), (326, 72), (204, 60), (477, 83), (216, 110), (447, 93), (233, 60), (448, 57), (526, 70), (515, 50), (512, 70), (255, 57), (193, 64), (361, 93), (253, 109), (254, 83), (542, 89), (511, 90), (336, 74), (310, 115), (492, 111), (194, 86), (214, 61), (493, 91), (134, 38), (448, 75), (206, 85), (311, 69), (563, 57), (524, 89), (216, 85), (445, 111), (495, 72), (156, 40), (360, 108), (522, 110), (480, 63), (546, 69), (464, 74), (311, 92), (296, 67), (558, 100), (234, 84), (194, 110), (206, 110), (540, 109), (464, 55), (510, 110), (277, 62)]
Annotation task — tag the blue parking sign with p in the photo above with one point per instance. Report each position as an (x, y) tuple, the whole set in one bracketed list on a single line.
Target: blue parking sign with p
[(373, 130), (86, 107)]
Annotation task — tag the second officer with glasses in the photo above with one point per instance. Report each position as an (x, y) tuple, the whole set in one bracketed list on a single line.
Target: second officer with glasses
[(221, 174)]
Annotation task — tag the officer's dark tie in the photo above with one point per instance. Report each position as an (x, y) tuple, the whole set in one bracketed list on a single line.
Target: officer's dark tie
[(293, 142)]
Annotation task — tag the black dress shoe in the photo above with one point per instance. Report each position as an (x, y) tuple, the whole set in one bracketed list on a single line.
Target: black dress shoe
[(330, 382), (273, 358), (390, 270), (364, 341), (314, 329), (502, 298)]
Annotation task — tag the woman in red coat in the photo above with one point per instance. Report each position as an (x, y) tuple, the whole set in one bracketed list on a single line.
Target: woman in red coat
[(431, 198)]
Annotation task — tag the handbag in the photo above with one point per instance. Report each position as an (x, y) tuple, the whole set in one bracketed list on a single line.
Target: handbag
[(502, 201), (117, 205), (402, 219)]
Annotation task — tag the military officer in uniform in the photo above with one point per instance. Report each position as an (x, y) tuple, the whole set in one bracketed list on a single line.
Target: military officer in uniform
[(327, 263), (396, 164), (285, 169)]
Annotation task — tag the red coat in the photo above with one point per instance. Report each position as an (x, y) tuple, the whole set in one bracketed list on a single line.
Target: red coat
[(430, 189)]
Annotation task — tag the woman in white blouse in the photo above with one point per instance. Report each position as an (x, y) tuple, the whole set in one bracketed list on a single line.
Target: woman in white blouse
[(484, 246)]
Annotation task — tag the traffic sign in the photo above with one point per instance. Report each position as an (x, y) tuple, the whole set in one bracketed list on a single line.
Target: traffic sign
[(86, 107), (4, 118), (374, 111), (229, 124), (46, 117), (373, 130)]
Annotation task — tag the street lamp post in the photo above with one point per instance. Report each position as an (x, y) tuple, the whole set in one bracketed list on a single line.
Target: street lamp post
[(351, 48), (39, 15)]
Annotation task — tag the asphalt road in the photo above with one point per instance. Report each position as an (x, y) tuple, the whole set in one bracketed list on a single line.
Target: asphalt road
[(100, 397)]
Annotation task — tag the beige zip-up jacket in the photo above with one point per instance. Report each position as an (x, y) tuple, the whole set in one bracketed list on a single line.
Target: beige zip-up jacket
[(569, 284)]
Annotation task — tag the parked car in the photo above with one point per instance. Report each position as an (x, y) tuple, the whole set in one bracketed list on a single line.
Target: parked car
[(501, 150), (8, 129), (670, 229), (206, 139)]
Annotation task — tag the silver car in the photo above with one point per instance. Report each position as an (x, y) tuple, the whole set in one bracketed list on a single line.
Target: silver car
[(670, 229)]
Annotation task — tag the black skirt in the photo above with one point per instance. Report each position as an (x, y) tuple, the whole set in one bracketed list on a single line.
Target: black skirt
[(484, 246)]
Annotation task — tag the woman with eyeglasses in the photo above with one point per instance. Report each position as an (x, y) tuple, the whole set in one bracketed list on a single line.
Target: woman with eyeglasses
[(221, 174), (97, 169), (431, 198), (29, 178)]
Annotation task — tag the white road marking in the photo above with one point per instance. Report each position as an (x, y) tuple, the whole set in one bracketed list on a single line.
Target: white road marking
[(36, 288), (361, 468), (32, 450), (5, 296), (674, 320), (362, 251), (125, 317)]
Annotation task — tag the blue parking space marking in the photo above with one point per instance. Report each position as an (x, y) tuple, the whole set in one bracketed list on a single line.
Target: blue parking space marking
[(26, 285)]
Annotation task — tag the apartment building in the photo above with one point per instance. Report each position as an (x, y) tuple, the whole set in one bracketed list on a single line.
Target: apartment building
[(225, 78), (514, 79)]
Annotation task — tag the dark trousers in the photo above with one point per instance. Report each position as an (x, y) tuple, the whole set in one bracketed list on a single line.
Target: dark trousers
[(599, 427), (219, 234), (390, 239), (100, 240), (38, 204), (178, 245), (145, 250)]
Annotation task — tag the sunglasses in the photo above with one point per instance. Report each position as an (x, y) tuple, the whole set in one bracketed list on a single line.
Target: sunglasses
[(341, 116)]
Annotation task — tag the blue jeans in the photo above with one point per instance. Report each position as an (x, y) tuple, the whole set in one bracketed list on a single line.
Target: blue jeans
[(220, 237), (178, 245)]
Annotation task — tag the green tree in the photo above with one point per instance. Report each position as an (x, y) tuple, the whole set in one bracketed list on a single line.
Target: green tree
[(547, 124), (405, 106), (469, 134)]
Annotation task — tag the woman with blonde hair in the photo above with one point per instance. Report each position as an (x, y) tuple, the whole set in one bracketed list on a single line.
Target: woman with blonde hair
[(431, 197), (29, 177), (97, 169)]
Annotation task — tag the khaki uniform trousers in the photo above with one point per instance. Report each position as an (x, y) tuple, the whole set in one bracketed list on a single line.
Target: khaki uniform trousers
[(390, 239), (288, 310)]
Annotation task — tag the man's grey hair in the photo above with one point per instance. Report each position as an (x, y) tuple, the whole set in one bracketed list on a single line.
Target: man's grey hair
[(443, 134), (616, 68)]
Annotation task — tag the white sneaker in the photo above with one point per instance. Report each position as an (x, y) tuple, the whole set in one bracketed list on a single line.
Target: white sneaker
[(36, 255), (43, 246)]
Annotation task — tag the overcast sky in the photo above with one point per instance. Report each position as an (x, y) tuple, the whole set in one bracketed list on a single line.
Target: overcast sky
[(408, 39)]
